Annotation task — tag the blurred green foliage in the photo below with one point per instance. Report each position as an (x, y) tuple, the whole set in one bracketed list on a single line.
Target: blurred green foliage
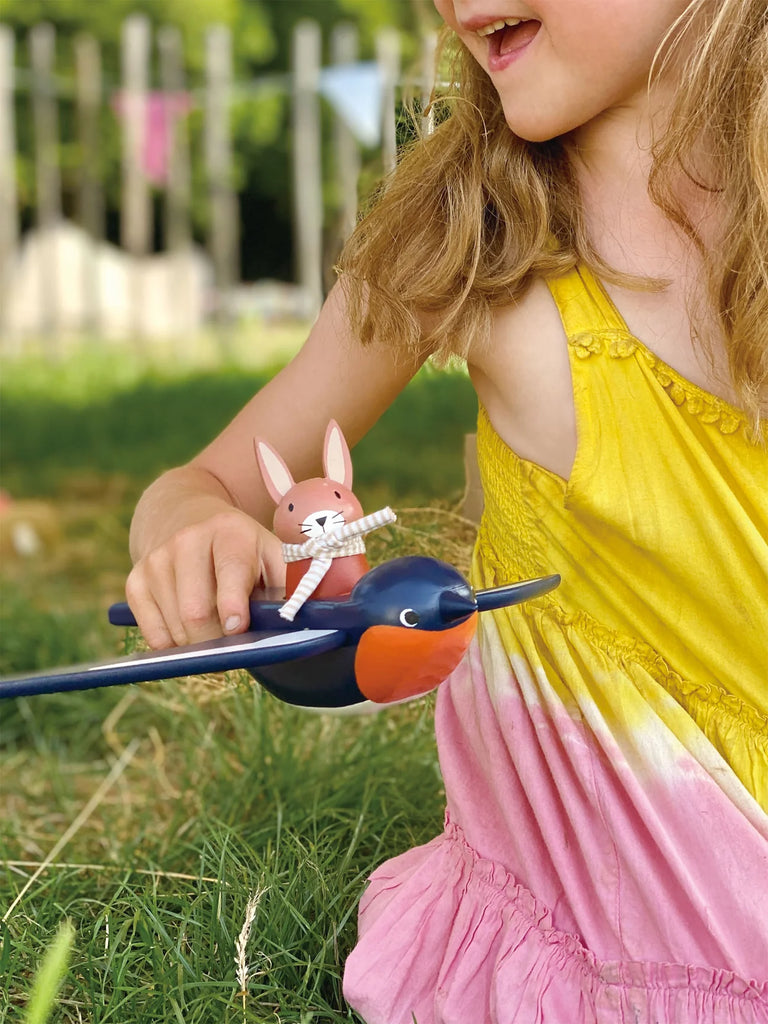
[(141, 427), (261, 34)]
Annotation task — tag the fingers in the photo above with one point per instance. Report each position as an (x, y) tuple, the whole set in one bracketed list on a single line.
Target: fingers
[(197, 585), (167, 592), (236, 572), (146, 610), (272, 562), (194, 597)]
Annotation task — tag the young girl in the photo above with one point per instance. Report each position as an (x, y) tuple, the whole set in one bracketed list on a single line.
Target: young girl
[(588, 225)]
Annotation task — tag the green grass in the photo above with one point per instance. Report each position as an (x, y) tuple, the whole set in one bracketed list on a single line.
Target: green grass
[(217, 790), (233, 791)]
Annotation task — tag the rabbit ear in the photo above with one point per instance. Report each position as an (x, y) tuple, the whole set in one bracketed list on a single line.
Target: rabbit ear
[(277, 476), (337, 461)]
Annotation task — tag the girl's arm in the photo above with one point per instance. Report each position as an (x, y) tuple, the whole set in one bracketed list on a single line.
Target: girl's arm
[(198, 538)]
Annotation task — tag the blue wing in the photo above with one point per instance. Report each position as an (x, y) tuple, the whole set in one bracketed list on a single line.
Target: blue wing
[(247, 650)]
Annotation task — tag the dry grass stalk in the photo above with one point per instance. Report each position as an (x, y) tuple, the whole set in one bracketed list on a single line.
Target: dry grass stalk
[(243, 971), (19, 865)]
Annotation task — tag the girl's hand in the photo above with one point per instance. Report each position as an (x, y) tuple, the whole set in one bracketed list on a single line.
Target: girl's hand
[(196, 585)]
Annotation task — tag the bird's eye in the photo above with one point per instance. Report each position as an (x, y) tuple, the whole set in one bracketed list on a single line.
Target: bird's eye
[(408, 617)]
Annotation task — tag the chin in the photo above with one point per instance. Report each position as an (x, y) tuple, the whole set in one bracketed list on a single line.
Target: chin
[(532, 126), (535, 133), (534, 136)]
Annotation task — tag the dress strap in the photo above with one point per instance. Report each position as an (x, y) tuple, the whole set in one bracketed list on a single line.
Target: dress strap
[(584, 305)]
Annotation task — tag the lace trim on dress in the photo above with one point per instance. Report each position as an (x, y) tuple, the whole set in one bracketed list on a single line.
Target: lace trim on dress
[(703, 404)]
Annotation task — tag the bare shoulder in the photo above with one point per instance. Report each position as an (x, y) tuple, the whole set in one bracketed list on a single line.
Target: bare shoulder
[(523, 379)]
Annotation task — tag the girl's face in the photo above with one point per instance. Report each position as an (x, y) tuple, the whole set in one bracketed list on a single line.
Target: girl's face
[(557, 64)]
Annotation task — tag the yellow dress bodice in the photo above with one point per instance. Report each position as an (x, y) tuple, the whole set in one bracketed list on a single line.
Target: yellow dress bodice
[(660, 534)]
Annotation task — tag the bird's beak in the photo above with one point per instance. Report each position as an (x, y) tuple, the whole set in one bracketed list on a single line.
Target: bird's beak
[(456, 605)]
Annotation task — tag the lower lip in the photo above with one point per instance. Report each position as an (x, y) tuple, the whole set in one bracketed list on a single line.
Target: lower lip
[(500, 61)]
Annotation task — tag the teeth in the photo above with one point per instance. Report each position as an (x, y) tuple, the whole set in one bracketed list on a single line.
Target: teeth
[(495, 26)]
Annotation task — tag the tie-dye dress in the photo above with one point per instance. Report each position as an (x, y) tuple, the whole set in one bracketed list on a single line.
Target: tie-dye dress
[(605, 747)]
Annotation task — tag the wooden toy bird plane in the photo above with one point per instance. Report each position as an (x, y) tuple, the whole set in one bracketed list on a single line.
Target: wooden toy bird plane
[(343, 635), (402, 630)]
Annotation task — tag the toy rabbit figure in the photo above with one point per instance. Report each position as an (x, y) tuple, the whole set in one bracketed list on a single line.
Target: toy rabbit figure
[(320, 522)]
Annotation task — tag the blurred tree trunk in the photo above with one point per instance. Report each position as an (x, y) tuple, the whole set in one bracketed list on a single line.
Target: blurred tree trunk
[(424, 14)]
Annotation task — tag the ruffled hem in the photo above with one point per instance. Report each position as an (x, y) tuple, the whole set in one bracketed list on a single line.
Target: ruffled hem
[(447, 937)]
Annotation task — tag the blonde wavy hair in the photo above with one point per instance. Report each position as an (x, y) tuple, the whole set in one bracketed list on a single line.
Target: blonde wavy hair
[(468, 217)]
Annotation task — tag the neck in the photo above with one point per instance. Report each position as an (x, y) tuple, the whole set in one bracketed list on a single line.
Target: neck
[(611, 157)]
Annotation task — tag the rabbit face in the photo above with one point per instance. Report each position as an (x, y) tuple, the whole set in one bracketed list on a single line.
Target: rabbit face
[(314, 507), (310, 508), (322, 522)]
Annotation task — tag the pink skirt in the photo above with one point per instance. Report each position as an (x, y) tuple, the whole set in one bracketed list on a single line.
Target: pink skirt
[(449, 938), (600, 861)]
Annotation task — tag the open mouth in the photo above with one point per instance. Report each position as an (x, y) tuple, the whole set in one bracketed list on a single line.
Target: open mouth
[(509, 36)]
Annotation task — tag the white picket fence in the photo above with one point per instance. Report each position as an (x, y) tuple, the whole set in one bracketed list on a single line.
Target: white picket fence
[(62, 277)]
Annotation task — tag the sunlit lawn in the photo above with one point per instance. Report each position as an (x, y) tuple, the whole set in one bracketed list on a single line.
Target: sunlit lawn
[(148, 815)]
